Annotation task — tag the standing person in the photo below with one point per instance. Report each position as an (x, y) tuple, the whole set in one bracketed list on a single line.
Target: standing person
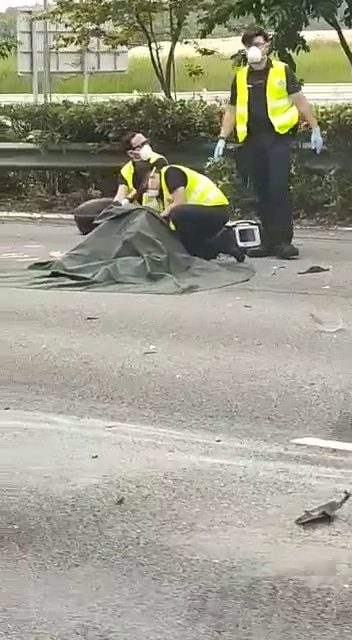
[(264, 108), (196, 209), (133, 177)]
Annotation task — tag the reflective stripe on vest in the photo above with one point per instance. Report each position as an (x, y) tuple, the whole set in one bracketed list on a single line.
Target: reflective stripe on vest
[(282, 113), (128, 169), (199, 190)]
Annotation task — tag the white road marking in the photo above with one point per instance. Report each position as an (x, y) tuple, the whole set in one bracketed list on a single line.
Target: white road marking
[(325, 444), (26, 257), (8, 256)]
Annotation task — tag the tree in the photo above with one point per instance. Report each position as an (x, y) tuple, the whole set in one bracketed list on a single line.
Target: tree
[(131, 23), (8, 36), (8, 27), (7, 47), (285, 20)]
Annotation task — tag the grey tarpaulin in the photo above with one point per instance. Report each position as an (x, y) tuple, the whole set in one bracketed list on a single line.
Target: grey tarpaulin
[(132, 250)]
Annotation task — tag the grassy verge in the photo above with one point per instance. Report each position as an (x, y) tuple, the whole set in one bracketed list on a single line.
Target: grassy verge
[(325, 63)]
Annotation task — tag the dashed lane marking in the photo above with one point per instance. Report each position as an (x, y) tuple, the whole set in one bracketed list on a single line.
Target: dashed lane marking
[(324, 444)]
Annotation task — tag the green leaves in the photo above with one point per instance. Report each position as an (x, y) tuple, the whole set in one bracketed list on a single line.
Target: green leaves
[(284, 20), (323, 193), (7, 47), (164, 121)]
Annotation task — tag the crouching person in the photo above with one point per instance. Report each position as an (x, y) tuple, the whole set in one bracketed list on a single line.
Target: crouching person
[(196, 209)]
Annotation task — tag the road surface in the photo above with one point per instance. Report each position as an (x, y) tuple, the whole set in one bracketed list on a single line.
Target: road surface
[(150, 493)]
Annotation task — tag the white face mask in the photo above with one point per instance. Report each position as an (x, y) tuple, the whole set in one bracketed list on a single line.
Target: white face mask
[(254, 55), (146, 152)]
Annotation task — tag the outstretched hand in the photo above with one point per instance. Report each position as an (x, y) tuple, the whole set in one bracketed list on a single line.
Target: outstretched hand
[(219, 149)]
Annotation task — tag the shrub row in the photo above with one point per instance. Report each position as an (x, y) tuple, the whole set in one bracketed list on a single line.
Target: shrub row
[(323, 193)]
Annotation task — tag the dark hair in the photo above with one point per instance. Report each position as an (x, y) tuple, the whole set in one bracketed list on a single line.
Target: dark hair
[(127, 139), (253, 32)]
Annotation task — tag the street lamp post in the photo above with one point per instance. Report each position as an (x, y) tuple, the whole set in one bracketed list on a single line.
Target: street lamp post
[(46, 58)]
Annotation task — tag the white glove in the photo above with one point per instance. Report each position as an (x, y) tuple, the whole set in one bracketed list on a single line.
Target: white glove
[(122, 202), (316, 140), (219, 149)]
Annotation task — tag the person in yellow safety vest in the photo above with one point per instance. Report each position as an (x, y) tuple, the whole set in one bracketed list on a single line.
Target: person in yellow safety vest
[(264, 108), (133, 177), (196, 209)]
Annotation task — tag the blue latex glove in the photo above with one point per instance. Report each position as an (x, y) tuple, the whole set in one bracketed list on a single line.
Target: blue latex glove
[(316, 141), (219, 149)]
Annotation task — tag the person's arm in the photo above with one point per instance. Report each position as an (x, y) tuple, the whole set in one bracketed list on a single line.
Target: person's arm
[(299, 100), (228, 121), (121, 193), (176, 182)]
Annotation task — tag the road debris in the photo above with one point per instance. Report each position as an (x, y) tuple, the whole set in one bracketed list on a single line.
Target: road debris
[(151, 349), (324, 512), (92, 318), (275, 269), (314, 269), (327, 327), (94, 456), (120, 501)]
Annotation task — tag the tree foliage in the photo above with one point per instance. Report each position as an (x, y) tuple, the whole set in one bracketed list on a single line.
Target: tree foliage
[(7, 47), (285, 20), (131, 23)]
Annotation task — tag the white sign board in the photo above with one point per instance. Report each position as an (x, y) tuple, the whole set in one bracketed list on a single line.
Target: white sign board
[(31, 44)]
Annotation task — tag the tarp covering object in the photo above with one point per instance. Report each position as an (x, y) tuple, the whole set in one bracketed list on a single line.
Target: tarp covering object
[(132, 250)]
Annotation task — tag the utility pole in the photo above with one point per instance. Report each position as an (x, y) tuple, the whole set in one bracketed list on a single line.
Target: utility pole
[(46, 58)]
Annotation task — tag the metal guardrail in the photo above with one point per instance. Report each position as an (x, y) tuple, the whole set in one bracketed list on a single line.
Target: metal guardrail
[(337, 93)]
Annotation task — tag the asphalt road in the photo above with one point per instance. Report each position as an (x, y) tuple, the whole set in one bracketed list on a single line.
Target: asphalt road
[(151, 493)]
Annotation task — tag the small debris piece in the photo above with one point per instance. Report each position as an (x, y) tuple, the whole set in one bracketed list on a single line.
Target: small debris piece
[(94, 456), (314, 269), (325, 327), (92, 318), (324, 512), (150, 350), (218, 440), (247, 306), (6, 408), (275, 269), (120, 501)]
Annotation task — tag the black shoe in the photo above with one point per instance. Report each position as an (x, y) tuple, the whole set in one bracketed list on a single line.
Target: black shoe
[(286, 252), (263, 251), (226, 244)]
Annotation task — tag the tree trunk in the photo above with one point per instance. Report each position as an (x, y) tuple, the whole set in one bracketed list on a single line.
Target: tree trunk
[(152, 43), (334, 23)]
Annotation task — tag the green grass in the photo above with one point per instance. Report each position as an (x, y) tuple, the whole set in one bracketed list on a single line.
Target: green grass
[(324, 63)]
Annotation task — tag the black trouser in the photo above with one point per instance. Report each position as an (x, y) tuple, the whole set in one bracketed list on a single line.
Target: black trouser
[(197, 227), (267, 159)]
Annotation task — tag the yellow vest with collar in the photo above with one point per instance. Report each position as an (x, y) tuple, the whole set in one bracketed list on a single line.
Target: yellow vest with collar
[(282, 113), (199, 190)]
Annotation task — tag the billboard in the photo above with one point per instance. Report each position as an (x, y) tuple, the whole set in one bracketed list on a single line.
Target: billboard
[(36, 37)]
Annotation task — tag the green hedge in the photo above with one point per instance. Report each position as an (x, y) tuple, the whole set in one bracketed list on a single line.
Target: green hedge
[(322, 188)]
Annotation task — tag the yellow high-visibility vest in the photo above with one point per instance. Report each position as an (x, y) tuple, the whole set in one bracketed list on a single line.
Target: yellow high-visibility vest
[(128, 169), (282, 113), (199, 190)]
